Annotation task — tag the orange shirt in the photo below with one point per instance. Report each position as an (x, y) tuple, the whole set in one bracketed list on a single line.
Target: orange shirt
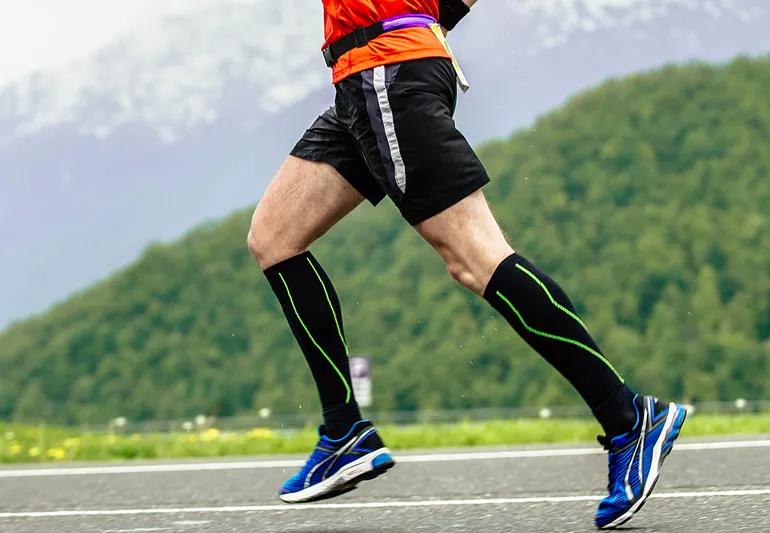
[(342, 17)]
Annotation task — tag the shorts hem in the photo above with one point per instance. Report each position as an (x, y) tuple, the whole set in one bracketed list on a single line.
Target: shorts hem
[(418, 216), (372, 197)]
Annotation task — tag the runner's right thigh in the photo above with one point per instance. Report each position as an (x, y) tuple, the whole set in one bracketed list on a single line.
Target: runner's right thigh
[(304, 200)]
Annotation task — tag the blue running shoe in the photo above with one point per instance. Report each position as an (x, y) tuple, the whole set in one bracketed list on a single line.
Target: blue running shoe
[(337, 466), (636, 457)]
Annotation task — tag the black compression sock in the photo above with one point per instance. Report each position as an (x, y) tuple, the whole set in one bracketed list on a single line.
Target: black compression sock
[(312, 309), (540, 311), (338, 419), (620, 412)]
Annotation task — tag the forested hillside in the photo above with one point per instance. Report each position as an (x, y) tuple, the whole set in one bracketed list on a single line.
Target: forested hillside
[(646, 198)]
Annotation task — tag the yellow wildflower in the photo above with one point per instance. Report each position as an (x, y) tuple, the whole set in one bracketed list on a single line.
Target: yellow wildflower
[(210, 435), (71, 443), (14, 448), (260, 433), (56, 454), (34, 451)]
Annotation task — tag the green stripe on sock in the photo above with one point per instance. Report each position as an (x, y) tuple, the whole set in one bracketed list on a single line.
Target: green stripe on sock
[(296, 313), (558, 338), (554, 302), (334, 314)]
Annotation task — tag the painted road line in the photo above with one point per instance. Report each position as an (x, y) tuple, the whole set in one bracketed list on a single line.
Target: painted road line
[(138, 530), (373, 505), (414, 458)]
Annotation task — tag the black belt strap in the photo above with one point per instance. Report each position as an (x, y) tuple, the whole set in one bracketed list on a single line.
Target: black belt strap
[(357, 39)]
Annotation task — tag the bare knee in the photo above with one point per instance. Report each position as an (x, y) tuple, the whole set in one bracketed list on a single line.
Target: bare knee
[(268, 246), (258, 242), (466, 273), (469, 240), (303, 201), (465, 276)]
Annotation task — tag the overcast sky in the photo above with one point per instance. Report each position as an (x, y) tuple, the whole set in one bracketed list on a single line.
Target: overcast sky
[(37, 34)]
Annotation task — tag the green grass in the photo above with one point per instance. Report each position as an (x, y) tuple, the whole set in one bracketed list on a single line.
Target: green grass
[(25, 444)]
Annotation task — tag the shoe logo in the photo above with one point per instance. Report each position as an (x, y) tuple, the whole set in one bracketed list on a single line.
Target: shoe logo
[(349, 447), (332, 459)]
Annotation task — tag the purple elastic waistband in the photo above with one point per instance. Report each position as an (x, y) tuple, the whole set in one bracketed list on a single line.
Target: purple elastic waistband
[(413, 20)]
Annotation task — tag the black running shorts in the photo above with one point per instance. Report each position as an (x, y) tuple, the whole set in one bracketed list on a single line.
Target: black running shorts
[(391, 132)]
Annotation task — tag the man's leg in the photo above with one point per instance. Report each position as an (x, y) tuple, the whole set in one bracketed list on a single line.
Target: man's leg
[(640, 430), (479, 257), (304, 200)]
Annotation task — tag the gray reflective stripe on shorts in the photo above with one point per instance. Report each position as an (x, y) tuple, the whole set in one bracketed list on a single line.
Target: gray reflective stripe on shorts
[(375, 85)]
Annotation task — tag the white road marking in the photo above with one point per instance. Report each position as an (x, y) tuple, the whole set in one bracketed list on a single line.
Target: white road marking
[(137, 530), (296, 463), (728, 445), (373, 505)]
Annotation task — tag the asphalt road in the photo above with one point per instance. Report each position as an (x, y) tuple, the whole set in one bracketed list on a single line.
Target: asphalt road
[(706, 487)]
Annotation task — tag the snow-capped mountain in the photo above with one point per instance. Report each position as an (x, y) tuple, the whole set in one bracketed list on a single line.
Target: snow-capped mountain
[(186, 117), (177, 73)]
